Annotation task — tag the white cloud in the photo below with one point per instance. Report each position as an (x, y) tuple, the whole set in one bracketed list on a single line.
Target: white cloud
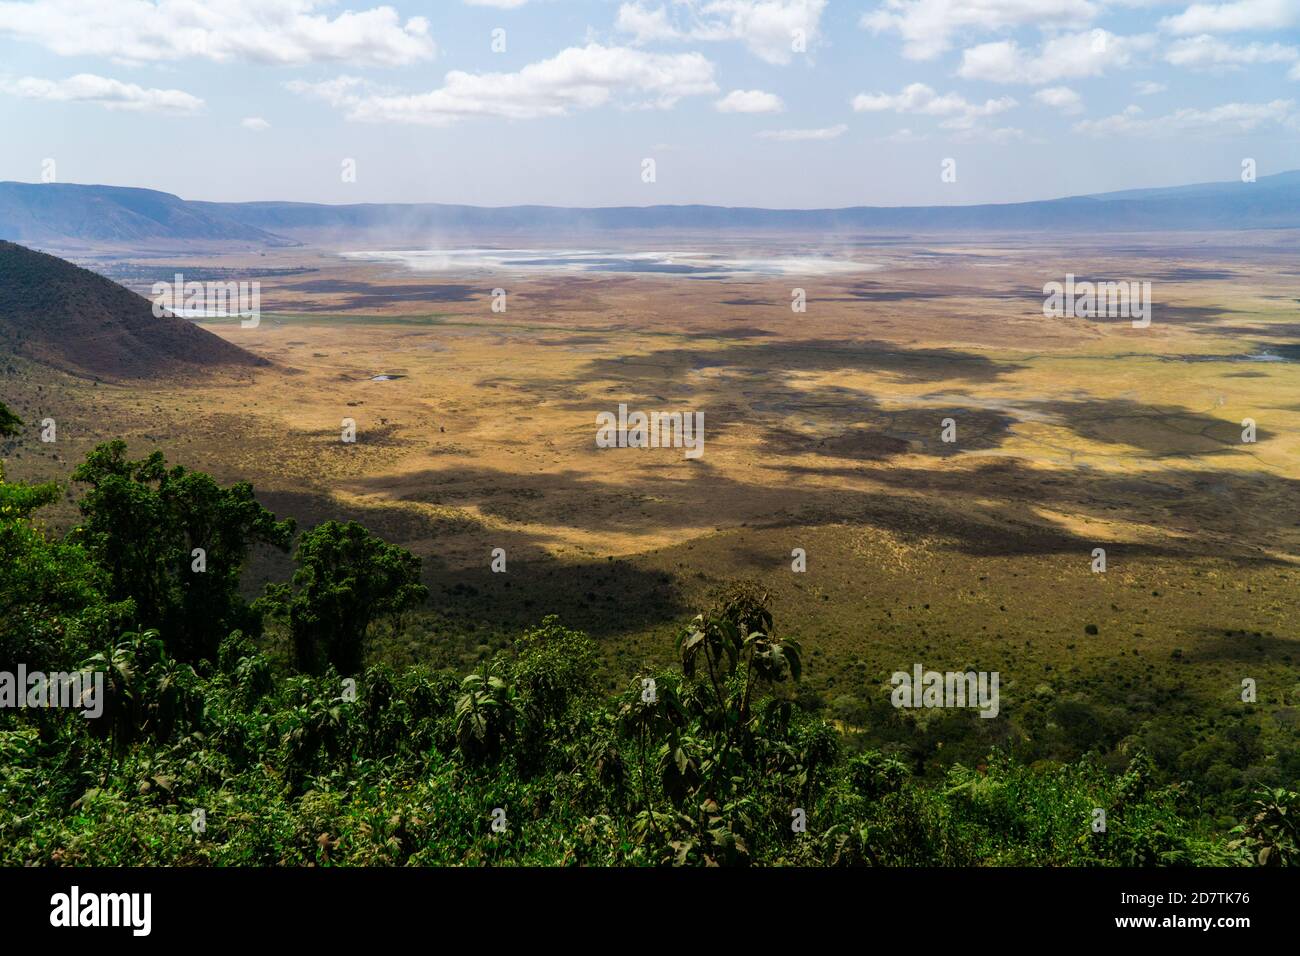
[(921, 99), (766, 27), (1061, 98), (102, 91), (1004, 134), (342, 91), (930, 27), (646, 25), (1148, 88), (1294, 72), (904, 135), (1070, 56), (749, 101), (1205, 52), (1220, 120), (255, 123), (1234, 17), (499, 4), (797, 135), (574, 79), (286, 32)]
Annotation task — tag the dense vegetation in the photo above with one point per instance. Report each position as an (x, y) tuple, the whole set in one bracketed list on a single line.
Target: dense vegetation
[(241, 733)]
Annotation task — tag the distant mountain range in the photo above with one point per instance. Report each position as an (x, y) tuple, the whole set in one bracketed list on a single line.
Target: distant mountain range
[(69, 318), (54, 212), (57, 212)]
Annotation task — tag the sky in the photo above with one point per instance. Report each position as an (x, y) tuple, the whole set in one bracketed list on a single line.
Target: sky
[(774, 103)]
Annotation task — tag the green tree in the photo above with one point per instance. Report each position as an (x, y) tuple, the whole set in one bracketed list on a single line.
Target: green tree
[(49, 591), (1271, 833), (346, 579), (47, 588), (175, 543), (9, 422), (486, 715)]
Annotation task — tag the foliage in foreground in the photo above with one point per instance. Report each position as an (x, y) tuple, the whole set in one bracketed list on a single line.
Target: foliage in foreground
[(409, 771), (218, 755)]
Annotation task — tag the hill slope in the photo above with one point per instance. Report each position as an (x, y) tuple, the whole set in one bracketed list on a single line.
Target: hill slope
[(61, 315), (53, 212)]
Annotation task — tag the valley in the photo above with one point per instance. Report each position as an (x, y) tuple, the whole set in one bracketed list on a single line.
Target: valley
[(476, 429)]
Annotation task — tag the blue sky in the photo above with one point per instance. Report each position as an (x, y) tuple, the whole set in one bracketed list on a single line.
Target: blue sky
[(789, 103)]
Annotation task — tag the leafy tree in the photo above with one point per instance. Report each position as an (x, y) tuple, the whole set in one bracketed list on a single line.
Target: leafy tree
[(1272, 831), (739, 651), (143, 523), (9, 422), (48, 589), (555, 669), (487, 715), (51, 601), (346, 579), (147, 694)]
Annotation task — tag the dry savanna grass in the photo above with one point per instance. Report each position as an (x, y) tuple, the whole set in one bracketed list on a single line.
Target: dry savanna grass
[(822, 432)]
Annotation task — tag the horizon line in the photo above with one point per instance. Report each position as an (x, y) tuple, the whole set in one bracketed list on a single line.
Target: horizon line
[(698, 205)]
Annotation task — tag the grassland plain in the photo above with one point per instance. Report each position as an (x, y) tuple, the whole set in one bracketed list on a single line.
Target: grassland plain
[(822, 433)]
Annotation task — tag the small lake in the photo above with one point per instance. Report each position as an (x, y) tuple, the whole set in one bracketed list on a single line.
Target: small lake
[(689, 263), (1266, 356)]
